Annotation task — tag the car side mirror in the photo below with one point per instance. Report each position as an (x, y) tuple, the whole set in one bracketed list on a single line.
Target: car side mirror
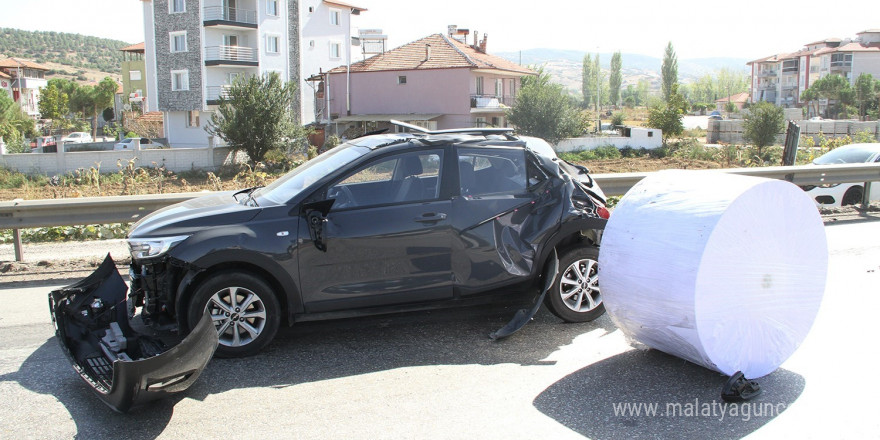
[(316, 217)]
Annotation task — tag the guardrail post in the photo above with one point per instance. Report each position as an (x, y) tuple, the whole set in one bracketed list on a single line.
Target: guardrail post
[(866, 195), (16, 244)]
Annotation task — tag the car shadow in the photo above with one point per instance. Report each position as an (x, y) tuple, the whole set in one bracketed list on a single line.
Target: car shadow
[(674, 399), (310, 352)]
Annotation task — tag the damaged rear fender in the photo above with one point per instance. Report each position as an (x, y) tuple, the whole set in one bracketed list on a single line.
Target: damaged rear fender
[(124, 367)]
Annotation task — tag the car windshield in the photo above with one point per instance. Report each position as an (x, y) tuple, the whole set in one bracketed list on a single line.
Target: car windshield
[(289, 185), (848, 154)]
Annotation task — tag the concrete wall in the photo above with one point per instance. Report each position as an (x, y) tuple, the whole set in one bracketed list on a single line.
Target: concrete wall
[(649, 138), (730, 131), (179, 159)]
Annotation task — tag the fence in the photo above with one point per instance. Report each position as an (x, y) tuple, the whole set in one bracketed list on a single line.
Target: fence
[(174, 159), (20, 214), (731, 131)]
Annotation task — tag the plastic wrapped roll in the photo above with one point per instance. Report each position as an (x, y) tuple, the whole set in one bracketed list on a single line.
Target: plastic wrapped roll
[(722, 270)]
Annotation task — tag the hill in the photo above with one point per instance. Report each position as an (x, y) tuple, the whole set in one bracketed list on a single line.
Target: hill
[(80, 52)]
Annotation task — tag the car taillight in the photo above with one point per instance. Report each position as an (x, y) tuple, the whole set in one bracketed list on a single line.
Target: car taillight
[(603, 212)]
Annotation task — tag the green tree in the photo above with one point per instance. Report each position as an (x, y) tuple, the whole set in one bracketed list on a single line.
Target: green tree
[(667, 115), (865, 93), (597, 82), (53, 103), (103, 98), (669, 72), (257, 116), (588, 81), (616, 78), (831, 87), (543, 109), (15, 124), (761, 125)]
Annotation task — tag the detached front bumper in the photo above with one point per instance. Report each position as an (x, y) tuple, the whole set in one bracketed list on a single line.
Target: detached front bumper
[(124, 367)]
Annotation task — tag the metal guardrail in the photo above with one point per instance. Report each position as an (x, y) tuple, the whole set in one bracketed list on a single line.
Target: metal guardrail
[(20, 214)]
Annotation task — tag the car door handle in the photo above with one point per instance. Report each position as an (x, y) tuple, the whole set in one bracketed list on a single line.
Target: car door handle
[(429, 217)]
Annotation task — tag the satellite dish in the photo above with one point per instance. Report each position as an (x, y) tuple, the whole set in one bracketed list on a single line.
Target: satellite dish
[(127, 107)]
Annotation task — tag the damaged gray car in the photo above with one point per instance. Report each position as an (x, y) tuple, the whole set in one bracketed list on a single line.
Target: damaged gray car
[(380, 224)]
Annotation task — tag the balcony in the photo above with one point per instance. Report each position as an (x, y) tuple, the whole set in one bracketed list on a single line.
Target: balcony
[(230, 17), (231, 56), (214, 93), (490, 103), (841, 65), (769, 73)]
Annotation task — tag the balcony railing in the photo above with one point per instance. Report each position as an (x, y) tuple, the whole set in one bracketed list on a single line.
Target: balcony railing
[(214, 93), (492, 101), (841, 64), (231, 15), (769, 73), (238, 55)]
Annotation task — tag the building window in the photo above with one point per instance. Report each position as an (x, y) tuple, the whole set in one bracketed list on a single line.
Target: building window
[(841, 60), (401, 79), (272, 7), (479, 85), (177, 6), (134, 75), (335, 50), (789, 66), (179, 80), (479, 121), (272, 43), (499, 88), (192, 119), (335, 14), (178, 41)]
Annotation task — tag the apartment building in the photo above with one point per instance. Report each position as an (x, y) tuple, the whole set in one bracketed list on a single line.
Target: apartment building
[(196, 48), (22, 80), (782, 78), (440, 81), (134, 80)]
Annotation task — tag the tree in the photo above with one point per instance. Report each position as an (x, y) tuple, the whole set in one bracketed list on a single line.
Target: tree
[(588, 81), (667, 115), (865, 93), (257, 116), (615, 78), (831, 87), (761, 125), (543, 109), (53, 103), (15, 124), (597, 73), (669, 72)]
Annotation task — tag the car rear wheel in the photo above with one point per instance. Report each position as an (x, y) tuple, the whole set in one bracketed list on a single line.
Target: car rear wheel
[(244, 309), (575, 295)]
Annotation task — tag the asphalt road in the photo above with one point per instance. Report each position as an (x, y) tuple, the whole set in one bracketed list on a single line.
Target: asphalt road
[(437, 375)]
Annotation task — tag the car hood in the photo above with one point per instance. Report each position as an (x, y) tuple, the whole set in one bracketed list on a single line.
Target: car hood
[(195, 214)]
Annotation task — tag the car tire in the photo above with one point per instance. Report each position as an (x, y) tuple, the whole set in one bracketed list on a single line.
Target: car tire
[(575, 295), (245, 310), (853, 196)]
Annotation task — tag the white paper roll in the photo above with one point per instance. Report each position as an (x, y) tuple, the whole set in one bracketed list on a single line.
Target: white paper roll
[(725, 271)]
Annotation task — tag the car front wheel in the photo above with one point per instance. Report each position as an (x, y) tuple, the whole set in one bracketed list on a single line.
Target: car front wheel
[(575, 295), (244, 309)]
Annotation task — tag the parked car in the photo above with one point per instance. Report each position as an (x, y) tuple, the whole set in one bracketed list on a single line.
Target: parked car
[(380, 224), (841, 194), (77, 137), (132, 143)]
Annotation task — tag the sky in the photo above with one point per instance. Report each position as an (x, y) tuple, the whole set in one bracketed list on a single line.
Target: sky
[(697, 29)]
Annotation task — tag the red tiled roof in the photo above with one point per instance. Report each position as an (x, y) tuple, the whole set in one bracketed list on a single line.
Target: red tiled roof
[(859, 47), (770, 59), (17, 62), (134, 48), (4, 75), (739, 97), (345, 5), (445, 53)]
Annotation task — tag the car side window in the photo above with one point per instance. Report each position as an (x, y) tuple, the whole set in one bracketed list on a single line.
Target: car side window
[(491, 170), (401, 178)]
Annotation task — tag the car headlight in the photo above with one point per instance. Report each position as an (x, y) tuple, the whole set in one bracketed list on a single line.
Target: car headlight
[(152, 247)]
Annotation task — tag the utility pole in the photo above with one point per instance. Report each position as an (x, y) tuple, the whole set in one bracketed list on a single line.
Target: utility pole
[(598, 79)]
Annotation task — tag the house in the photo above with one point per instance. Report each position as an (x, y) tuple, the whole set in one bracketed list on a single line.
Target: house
[(22, 79), (134, 79), (781, 79), (440, 81), (739, 100), (195, 49)]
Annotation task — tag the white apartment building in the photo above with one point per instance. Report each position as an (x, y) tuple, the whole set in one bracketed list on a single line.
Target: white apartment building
[(782, 78), (196, 48)]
